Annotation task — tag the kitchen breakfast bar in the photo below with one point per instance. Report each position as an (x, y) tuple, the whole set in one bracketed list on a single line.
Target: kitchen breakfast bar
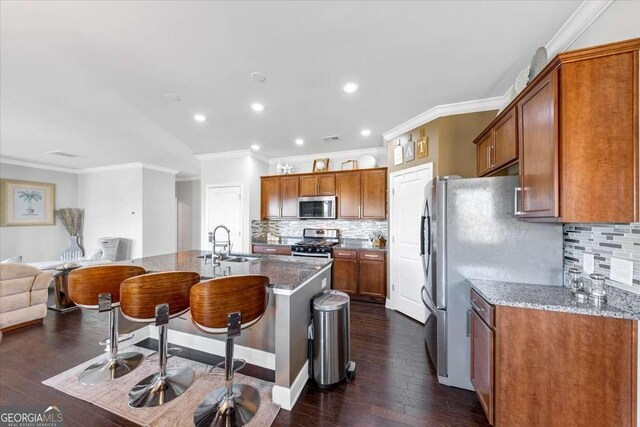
[(278, 341)]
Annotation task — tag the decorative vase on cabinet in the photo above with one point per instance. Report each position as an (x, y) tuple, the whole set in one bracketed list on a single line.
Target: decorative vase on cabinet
[(74, 252)]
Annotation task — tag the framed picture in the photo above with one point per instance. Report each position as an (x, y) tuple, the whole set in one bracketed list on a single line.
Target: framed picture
[(398, 155), (423, 145), (321, 165), (349, 165), (27, 203), (409, 151)]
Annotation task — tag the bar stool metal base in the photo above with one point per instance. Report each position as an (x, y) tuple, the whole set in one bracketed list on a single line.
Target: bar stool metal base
[(110, 369), (156, 391), (216, 410)]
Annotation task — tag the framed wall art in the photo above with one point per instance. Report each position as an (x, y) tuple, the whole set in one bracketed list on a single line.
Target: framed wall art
[(349, 165), (321, 165), (25, 203), (423, 145)]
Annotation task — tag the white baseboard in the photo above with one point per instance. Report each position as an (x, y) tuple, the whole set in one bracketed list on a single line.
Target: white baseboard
[(287, 397), (389, 304), (252, 356)]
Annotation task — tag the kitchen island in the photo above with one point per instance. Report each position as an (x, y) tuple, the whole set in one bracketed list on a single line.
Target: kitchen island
[(279, 340)]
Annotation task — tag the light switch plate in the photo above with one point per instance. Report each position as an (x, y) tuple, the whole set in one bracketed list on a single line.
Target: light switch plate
[(587, 263), (622, 271), (324, 283)]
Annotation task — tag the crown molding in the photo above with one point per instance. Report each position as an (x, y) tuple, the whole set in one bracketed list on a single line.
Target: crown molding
[(584, 15), (88, 170), (581, 19), (188, 178), (15, 162), (438, 111), (310, 157), (231, 155)]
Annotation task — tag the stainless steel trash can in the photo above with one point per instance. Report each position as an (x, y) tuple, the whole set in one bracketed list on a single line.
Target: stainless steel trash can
[(330, 336)]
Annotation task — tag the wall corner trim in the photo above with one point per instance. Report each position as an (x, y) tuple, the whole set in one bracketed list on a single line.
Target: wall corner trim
[(87, 170), (474, 106), (309, 157)]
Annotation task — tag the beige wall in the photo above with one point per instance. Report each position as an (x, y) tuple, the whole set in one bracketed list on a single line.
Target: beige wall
[(451, 147)]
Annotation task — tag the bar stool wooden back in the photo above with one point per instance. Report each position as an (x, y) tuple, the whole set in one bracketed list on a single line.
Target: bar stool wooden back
[(226, 306), (98, 288), (156, 298)]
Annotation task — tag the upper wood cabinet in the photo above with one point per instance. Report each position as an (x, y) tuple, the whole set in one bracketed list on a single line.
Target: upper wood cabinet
[(497, 146), (279, 197), (318, 185), (360, 194), (576, 126), (349, 189), (537, 194), (374, 194)]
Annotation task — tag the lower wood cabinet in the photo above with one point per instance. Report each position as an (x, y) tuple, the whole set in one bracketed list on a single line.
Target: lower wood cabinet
[(361, 274), (547, 368)]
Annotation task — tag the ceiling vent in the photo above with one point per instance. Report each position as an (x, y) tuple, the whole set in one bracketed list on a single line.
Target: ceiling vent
[(62, 153), (332, 138)]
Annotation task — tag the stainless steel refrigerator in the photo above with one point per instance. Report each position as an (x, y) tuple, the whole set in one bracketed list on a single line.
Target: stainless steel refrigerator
[(469, 230)]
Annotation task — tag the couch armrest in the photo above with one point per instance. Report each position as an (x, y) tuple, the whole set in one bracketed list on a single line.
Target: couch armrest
[(42, 281)]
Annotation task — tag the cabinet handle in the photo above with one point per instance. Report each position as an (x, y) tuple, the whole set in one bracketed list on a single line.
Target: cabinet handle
[(476, 306), (491, 155), (270, 249), (360, 211), (317, 188), (370, 256), (516, 203), (488, 157), (343, 253)]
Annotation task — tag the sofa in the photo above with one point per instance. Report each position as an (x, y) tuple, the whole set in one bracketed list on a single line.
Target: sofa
[(23, 295)]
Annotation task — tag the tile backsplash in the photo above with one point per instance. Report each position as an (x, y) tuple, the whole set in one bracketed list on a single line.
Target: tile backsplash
[(604, 241), (348, 229)]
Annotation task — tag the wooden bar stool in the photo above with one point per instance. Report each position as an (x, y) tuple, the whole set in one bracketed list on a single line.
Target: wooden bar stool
[(98, 288), (156, 298), (228, 305)]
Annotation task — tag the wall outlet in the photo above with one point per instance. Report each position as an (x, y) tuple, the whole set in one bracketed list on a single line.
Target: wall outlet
[(622, 271), (587, 263)]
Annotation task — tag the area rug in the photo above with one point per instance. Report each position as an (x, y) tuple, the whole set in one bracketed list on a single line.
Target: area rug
[(112, 395)]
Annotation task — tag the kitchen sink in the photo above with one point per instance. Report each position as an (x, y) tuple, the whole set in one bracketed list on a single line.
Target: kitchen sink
[(239, 259)]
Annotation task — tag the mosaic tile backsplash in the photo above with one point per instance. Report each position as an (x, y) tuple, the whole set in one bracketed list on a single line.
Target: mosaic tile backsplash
[(605, 241), (348, 229)]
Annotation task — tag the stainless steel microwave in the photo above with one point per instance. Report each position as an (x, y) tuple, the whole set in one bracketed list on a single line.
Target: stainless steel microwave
[(317, 207)]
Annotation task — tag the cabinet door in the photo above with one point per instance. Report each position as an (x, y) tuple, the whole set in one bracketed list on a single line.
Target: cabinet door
[(309, 185), (537, 113), (374, 194), (289, 191), (485, 154), (345, 276), (373, 280), (349, 189), (482, 363), (505, 140), (270, 197), (326, 184)]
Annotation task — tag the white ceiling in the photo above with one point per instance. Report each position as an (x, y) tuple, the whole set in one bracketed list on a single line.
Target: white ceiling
[(89, 77)]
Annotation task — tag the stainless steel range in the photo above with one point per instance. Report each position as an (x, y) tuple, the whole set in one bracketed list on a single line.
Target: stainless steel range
[(317, 242)]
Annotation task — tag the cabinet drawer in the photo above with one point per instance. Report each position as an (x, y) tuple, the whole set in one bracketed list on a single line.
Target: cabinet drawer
[(272, 250), (482, 307), (371, 255), (344, 253)]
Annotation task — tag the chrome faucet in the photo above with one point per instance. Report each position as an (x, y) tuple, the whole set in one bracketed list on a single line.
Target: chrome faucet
[(215, 257)]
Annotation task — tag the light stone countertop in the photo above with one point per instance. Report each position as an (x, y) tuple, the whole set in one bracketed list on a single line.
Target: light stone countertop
[(284, 272), (551, 298)]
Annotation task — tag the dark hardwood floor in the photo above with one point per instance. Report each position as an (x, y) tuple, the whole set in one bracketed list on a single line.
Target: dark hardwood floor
[(395, 385)]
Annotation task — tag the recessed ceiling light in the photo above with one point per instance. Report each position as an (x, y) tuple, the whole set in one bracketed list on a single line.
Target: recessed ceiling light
[(365, 132), (172, 96), (255, 147), (200, 118), (258, 77), (257, 107), (350, 87), (299, 141)]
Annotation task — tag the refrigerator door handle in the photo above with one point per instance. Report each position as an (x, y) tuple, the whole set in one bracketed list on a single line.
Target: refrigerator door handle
[(425, 301), (422, 220)]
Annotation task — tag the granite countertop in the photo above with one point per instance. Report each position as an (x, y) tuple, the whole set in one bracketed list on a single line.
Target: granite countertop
[(552, 298), (284, 272)]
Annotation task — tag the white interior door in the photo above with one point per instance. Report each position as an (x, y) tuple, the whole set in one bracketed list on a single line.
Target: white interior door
[(224, 206), (407, 203)]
